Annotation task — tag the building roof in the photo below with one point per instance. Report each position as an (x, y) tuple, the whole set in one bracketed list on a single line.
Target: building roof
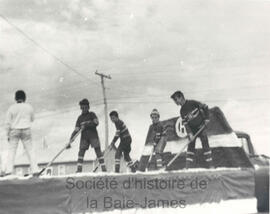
[(45, 155)]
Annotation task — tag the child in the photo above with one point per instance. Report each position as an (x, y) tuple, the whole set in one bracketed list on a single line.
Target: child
[(88, 122), (125, 142), (159, 141), (19, 118)]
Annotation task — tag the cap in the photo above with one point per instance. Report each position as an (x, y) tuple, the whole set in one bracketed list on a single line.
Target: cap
[(154, 112)]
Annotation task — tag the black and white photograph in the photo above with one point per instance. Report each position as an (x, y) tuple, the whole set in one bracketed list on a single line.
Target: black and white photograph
[(134, 106)]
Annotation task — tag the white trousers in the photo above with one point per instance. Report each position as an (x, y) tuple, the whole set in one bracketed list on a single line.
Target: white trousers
[(14, 137)]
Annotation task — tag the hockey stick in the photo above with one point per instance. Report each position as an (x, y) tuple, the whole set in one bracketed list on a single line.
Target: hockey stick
[(151, 156), (106, 152), (59, 153), (192, 139), (153, 152)]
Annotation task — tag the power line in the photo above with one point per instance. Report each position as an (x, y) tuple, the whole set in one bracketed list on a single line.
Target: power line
[(44, 49), (70, 67)]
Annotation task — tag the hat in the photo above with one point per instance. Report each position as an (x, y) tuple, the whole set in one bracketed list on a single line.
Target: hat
[(154, 112)]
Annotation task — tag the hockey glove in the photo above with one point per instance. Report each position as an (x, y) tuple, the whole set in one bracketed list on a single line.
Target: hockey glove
[(68, 146), (112, 145), (189, 135)]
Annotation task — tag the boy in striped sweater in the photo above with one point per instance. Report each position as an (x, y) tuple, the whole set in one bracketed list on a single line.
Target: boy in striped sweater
[(125, 142)]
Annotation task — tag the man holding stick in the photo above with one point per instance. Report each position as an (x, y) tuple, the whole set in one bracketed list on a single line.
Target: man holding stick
[(194, 115)]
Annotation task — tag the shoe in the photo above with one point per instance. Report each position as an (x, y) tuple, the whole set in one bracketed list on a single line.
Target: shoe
[(133, 169)]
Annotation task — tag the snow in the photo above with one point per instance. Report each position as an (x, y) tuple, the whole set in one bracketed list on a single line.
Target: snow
[(92, 174)]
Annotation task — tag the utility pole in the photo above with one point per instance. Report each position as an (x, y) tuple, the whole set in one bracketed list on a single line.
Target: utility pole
[(102, 76)]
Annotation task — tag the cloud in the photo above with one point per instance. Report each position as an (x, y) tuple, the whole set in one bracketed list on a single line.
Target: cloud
[(244, 117), (213, 51)]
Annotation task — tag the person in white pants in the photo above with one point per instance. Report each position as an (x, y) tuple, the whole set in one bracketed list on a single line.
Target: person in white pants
[(18, 123)]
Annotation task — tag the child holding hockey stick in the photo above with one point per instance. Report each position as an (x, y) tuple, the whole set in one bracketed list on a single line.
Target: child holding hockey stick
[(125, 142), (158, 140), (87, 122)]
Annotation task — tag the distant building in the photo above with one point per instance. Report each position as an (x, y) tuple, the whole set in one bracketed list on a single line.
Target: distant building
[(66, 163)]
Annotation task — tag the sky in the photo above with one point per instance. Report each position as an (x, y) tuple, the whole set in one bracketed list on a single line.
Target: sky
[(217, 52)]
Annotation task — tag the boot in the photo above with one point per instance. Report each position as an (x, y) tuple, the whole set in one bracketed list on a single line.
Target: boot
[(79, 169), (102, 164), (117, 168), (131, 165), (103, 168)]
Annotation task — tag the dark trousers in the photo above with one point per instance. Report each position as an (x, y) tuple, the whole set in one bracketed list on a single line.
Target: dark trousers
[(123, 148), (159, 150), (191, 149), (99, 157), (119, 153)]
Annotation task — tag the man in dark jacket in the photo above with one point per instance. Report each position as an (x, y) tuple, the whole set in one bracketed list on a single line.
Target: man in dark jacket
[(194, 114), (88, 122), (125, 142)]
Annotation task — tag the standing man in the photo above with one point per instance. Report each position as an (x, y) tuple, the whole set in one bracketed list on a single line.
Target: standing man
[(158, 140), (18, 124), (88, 122), (194, 114), (125, 142)]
